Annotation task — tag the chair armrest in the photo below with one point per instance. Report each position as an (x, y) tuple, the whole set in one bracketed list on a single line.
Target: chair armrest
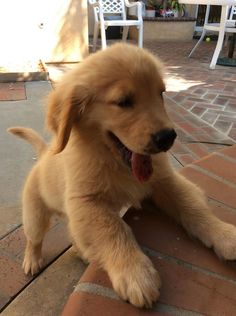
[(137, 4), (231, 23), (131, 4), (93, 4)]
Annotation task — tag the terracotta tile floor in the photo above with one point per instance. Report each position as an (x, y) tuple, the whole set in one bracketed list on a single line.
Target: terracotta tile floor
[(12, 91), (194, 280), (208, 94), (202, 104)]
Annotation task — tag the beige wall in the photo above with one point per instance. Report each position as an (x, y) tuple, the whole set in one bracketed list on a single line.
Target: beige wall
[(63, 35), (165, 31)]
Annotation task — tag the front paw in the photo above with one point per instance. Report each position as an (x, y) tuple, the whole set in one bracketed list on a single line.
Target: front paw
[(224, 241), (32, 264), (137, 281)]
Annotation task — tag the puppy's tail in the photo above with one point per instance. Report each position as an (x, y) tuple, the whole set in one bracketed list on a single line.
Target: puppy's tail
[(31, 136)]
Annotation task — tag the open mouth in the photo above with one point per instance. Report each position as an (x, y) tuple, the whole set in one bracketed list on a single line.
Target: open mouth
[(141, 165)]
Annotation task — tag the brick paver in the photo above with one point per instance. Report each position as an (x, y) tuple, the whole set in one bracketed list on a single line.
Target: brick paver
[(195, 138), (208, 94), (12, 277), (48, 293), (195, 281), (12, 91)]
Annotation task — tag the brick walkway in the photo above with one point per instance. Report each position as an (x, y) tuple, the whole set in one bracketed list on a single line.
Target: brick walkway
[(195, 281), (208, 94), (12, 91)]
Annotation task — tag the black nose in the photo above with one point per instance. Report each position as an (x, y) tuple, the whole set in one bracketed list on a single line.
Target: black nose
[(164, 139)]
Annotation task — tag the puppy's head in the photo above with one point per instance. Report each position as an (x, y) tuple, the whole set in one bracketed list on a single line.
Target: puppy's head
[(116, 95)]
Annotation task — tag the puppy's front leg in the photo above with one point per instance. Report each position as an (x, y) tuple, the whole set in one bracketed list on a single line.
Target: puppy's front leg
[(102, 236), (185, 202)]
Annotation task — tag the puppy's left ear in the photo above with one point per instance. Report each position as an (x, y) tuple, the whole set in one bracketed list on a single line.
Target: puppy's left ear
[(64, 110)]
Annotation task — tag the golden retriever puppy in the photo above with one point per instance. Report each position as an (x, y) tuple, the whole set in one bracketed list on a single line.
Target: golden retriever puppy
[(111, 135)]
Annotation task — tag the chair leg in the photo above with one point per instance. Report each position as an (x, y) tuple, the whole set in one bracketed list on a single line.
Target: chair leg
[(217, 49), (224, 12), (103, 38), (95, 36), (140, 36), (125, 33), (226, 39), (198, 43)]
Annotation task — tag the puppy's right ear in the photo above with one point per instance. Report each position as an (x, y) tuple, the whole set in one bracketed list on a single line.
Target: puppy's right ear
[(64, 108)]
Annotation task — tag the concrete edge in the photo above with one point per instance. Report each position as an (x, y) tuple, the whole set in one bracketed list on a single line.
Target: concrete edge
[(24, 76)]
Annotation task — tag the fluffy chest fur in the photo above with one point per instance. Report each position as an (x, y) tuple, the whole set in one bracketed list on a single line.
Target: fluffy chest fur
[(92, 176)]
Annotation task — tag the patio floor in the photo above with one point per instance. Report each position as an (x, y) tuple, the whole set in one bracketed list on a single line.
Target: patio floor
[(202, 103)]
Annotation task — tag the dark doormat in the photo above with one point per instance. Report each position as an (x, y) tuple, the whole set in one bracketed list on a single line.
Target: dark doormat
[(225, 61)]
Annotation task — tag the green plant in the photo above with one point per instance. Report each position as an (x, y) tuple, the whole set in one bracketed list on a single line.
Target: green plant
[(151, 4), (175, 5)]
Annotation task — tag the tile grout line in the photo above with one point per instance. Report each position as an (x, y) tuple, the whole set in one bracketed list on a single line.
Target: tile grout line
[(217, 117), (34, 277), (229, 129), (202, 114), (213, 201), (174, 310), (202, 147), (189, 151), (10, 232), (29, 282), (187, 265), (221, 111), (220, 153), (93, 288), (212, 175), (208, 124)]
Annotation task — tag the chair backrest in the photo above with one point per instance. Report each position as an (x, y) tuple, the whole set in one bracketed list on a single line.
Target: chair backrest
[(232, 12), (109, 7), (112, 7)]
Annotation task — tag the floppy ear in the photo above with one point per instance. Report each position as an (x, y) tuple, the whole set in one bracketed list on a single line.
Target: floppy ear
[(63, 110)]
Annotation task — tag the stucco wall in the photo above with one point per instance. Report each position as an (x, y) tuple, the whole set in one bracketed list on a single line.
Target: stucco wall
[(54, 31)]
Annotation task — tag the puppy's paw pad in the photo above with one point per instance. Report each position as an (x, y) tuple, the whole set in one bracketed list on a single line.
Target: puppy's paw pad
[(139, 284), (32, 265)]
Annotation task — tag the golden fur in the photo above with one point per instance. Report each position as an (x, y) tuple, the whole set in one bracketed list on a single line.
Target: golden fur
[(81, 173)]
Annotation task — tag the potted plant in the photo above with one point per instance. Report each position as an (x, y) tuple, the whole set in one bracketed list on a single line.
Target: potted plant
[(177, 8), (150, 6)]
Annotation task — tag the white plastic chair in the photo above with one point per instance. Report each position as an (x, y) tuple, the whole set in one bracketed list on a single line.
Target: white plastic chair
[(225, 26), (231, 15), (232, 12), (116, 10)]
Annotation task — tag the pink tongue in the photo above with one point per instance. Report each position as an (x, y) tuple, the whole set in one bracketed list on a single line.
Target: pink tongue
[(141, 166)]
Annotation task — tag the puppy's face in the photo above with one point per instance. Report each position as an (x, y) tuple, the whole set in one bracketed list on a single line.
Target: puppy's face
[(123, 104)]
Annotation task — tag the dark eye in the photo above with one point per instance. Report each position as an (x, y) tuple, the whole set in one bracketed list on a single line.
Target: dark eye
[(126, 102)]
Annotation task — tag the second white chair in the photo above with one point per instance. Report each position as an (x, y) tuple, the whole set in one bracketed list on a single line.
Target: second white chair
[(228, 26), (113, 13)]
